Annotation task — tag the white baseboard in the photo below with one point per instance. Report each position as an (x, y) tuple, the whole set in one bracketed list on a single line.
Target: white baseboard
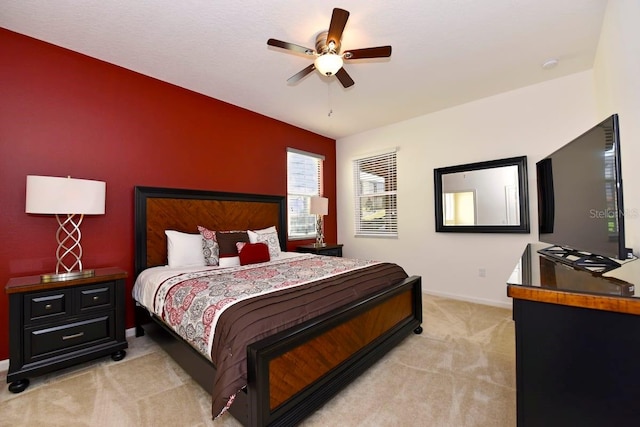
[(4, 364), (470, 299)]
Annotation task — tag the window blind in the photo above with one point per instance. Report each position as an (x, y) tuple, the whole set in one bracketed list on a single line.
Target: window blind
[(375, 179), (304, 180)]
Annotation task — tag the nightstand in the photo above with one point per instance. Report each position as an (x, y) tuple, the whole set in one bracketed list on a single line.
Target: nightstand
[(55, 325), (328, 249)]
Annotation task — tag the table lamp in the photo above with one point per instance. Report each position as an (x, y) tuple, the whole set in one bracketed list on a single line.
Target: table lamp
[(319, 206), (69, 199)]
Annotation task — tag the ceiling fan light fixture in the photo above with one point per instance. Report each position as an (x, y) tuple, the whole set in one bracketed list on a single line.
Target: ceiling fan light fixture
[(328, 64), (328, 57)]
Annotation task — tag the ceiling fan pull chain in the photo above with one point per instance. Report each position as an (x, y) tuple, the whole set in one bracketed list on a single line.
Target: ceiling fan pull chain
[(329, 99)]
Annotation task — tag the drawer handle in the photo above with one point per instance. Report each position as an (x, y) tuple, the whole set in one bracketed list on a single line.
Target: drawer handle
[(96, 298), (48, 307), (69, 337)]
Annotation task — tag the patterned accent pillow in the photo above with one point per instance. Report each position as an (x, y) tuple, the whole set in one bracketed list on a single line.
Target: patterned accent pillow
[(269, 236), (252, 253), (210, 247)]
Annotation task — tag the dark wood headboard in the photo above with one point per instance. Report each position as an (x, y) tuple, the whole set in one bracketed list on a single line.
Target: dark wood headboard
[(159, 209)]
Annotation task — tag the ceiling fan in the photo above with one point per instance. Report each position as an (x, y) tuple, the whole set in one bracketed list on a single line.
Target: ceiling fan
[(328, 59)]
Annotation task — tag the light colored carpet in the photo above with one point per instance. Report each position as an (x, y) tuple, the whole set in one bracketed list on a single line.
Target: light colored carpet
[(459, 372)]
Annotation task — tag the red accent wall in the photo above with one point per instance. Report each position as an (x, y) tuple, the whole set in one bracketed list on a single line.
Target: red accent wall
[(65, 114)]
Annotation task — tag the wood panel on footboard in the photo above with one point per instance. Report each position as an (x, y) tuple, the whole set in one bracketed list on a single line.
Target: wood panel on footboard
[(291, 374)]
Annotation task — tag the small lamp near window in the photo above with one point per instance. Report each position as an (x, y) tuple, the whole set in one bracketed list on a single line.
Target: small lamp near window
[(319, 206), (69, 200)]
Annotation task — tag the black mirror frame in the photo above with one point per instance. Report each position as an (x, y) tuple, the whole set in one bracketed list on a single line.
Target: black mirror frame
[(523, 193)]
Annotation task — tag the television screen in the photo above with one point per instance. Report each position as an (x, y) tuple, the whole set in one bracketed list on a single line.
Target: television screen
[(580, 194)]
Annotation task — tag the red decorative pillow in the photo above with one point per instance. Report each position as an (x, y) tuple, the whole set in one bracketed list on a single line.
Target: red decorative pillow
[(253, 253)]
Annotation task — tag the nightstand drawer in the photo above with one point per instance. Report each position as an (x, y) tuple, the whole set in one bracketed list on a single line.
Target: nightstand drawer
[(332, 252), (44, 341), (326, 250), (45, 305), (93, 297)]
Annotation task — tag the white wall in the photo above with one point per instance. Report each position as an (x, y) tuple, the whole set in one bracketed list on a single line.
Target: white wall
[(617, 77), (532, 121)]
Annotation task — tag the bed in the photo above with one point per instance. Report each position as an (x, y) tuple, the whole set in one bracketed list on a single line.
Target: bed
[(291, 371)]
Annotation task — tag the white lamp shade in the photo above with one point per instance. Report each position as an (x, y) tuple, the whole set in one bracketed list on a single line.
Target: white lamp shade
[(319, 205), (328, 64), (55, 195)]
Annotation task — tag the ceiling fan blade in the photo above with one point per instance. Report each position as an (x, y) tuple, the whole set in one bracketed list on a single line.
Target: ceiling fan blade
[(290, 46), (336, 27), (301, 74), (345, 78), (369, 52)]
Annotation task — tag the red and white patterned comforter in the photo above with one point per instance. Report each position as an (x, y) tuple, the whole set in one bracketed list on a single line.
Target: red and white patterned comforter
[(190, 300)]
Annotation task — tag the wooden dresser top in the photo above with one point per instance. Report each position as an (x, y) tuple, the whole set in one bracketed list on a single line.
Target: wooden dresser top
[(543, 279)]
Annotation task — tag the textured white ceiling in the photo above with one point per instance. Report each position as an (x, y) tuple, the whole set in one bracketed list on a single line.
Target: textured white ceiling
[(445, 52)]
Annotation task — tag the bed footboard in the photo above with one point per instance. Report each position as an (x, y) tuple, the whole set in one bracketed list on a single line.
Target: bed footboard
[(293, 373)]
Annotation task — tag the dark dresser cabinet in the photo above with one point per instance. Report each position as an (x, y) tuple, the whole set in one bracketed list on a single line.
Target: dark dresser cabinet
[(58, 324), (328, 249), (577, 345)]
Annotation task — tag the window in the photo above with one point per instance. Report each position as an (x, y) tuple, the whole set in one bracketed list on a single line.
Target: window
[(304, 179), (375, 183)]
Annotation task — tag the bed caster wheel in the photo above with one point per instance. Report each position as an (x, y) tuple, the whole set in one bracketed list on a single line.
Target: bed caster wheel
[(418, 330), (118, 355), (19, 386)]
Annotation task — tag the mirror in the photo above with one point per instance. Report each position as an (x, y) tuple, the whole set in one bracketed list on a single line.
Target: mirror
[(484, 197)]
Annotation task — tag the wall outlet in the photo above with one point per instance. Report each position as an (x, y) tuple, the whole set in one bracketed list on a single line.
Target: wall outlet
[(482, 272)]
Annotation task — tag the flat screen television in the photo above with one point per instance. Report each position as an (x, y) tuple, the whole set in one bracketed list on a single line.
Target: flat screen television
[(580, 205)]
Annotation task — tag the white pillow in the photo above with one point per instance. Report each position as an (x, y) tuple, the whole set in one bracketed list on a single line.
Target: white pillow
[(229, 261), (184, 249), (269, 236)]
